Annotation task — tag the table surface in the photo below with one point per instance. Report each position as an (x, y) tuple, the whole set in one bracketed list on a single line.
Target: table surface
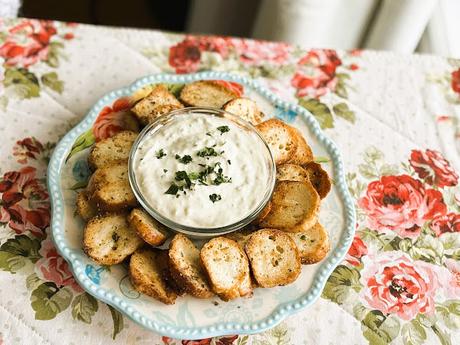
[(395, 119)]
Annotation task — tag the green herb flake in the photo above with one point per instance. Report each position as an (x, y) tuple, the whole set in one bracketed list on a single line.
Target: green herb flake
[(160, 154), (215, 197), (223, 129), (165, 170), (173, 189), (229, 162), (207, 152), (184, 159), (115, 236)]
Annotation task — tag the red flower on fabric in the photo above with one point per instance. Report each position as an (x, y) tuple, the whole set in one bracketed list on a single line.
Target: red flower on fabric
[(394, 284), (232, 86), (254, 52), (112, 120), (28, 42), (52, 267), (185, 56), (24, 204), (400, 204), (316, 75), (455, 82), (357, 250), (27, 148), (447, 223), (431, 166)]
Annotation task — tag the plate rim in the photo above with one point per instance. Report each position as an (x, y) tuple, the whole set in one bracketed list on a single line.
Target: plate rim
[(283, 310)]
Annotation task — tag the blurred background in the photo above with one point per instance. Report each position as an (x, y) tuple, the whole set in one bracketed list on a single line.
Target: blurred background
[(404, 26)]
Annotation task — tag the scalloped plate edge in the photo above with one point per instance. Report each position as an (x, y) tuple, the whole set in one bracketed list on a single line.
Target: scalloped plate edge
[(283, 310)]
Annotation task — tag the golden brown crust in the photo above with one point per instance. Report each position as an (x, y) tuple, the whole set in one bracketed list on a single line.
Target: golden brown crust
[(226, 266), (111, 151), (291, 172), (147, 228), (85, 207), (245, 108), (274, 258), (146, 272), (158, 102), (206, 93), (186, 268), (110, 190), (108, 239), (292, 204), (280, 137), (303, 153), (313, 244), (319, 178)]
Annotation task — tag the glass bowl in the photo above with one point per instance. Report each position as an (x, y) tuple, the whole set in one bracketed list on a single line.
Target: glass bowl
[(200, 232)]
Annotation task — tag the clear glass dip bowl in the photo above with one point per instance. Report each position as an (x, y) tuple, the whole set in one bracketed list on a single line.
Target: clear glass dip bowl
[(197, 232)]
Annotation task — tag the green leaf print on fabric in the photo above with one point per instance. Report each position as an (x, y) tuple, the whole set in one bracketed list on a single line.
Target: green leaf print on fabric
[(380, 329), (339, 283), (51, 80), (449, 312), (48, 300), (175, 89), (413, 333), (84, 141), (342, 110), (25, 83), (15, 252), (320, 111), (53, 54), (84, 306), (117, 319), (427, 248)]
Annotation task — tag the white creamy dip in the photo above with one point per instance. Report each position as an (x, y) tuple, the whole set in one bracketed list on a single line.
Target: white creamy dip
[(226, 177)]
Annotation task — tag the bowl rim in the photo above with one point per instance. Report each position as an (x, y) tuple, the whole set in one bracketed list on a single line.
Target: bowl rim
[(200, 232), (283, 310)]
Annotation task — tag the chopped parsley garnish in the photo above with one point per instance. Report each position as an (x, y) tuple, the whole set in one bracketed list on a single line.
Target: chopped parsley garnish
[(223, 129), (215, 197), (183, 176), (207, 152), (165, 170), (209, 134), (115, 236), (229, 162), (185, 159), (160, 154), (173, 189)]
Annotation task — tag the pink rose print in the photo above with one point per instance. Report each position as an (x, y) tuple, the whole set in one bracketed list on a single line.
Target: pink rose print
[(357, 250), (394, 284), (24, 204), (453, 284), (27, 148), (33, 46), (254, 52), (52, 267), (447, 223), (400, 204), (433, 168), (316, 75), (185, 56), (232, 86)]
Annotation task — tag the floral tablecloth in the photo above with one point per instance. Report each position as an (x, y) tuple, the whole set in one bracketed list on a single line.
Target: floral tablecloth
[(395, 118)]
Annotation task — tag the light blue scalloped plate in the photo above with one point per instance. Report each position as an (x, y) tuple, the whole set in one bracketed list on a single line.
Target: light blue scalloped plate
[(192, 318)]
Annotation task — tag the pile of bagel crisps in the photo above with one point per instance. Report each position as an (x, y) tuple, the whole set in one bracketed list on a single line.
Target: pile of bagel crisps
[(270, 252)]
